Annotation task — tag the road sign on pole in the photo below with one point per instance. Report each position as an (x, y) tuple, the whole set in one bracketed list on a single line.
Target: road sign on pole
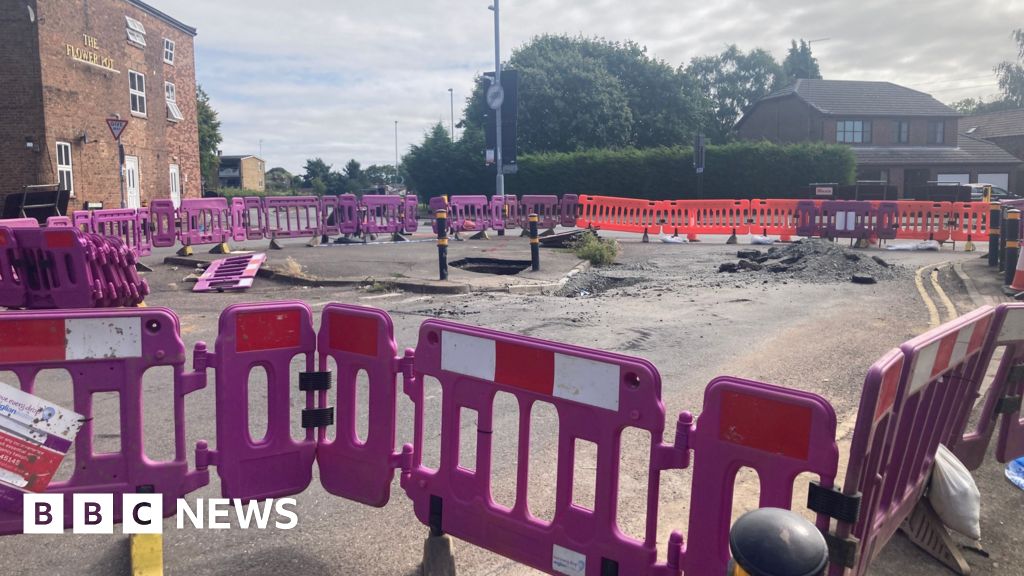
[(116, 126)]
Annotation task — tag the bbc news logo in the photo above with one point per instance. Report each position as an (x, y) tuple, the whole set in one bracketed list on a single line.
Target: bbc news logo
[(143, 514)]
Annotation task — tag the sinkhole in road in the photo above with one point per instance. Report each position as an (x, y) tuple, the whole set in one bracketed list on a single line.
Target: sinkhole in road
[(491, 266)]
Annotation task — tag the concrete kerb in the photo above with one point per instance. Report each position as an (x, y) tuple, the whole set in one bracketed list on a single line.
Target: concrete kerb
[(969, 286)]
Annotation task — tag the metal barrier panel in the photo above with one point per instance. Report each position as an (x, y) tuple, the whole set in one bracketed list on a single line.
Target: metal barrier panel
[(475, 209), (292, 217), (20, 223), (108, 351), (567, 209), (255, 227), (358, 339), (846, 218), (238, 228), (265, 335), (968, 221), (778, 432), (596, 394), (774, 218), (916, 220), (934, 385), (58, 222), (1002, 396), (204, 221), (165, 223), (808, 224), (545, 207), (410, 222), (12, 286), (54, 268)]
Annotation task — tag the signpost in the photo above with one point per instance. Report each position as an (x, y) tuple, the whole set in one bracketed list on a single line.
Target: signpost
[(698, 163), (117, 127)]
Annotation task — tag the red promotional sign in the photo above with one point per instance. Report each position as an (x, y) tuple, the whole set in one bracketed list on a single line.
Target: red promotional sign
[(116, 126)]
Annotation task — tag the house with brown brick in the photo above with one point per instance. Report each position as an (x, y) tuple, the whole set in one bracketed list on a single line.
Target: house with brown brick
[(1004, 129), (901, 136), (245, 172), (68, 66)]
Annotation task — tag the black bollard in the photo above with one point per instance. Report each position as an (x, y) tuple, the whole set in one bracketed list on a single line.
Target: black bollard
[(1012, 246), (442, 243), (994, 222), (1002, 238), (776, 542), (534, 243)]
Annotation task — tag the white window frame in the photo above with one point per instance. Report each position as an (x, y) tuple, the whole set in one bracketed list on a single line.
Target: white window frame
[(174, 172), (137, 95), (173, 112), (67, 167), (169, 50), (135, 30)]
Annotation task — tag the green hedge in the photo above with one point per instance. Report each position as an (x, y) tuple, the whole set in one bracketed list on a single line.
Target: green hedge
[(741, 170)]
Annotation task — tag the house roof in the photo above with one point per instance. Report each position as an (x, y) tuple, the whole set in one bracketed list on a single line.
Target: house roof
[(162, 16), (242, 157), (969, 150), (858, 98), (995, 124)]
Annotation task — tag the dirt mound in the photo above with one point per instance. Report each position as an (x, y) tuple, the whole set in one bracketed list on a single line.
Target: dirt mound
[(813, 260), (591, 282)]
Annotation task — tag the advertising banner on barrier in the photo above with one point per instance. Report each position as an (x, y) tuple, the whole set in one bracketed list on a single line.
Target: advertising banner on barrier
[(35, 435)]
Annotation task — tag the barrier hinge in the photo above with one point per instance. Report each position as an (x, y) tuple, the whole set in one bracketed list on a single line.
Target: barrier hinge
[(317, 417), (1008, 405), (315, 381), (676, 456), (833, 503), (406, 365)]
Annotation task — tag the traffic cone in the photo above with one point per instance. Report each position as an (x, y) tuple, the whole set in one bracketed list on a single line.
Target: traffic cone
[(1018, 274)]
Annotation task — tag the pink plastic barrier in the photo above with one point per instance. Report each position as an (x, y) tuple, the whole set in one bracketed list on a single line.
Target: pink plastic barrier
[(568, 208), (808, 223), (20, 223), (125, 224), (102, 352), (252, 218), (383, 214), (469, 213), (165, 223), (909, 405), (340, 215), (359, 338), (778, 432), (82, 219), (510, 211), (55, 271), (1003, 395), (885, 216), (292, 217), (846, 219), (58, 222), (410, 223), (597, 395), (234, 273), (204, 221), (545, 207), (238, 228), (12, 286)]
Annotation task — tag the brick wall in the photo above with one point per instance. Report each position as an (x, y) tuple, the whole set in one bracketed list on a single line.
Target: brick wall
[(253, 173), (78, 97), (21, 107)]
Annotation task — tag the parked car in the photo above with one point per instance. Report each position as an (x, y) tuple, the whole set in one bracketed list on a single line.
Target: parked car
[(998, 193)]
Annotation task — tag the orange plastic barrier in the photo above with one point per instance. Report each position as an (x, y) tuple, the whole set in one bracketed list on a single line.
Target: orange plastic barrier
[(693, 217), (619, 214), (968, 221), (919, 220), (773, 218)]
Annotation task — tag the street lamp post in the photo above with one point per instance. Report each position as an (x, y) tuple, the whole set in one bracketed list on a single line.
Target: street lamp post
[(499, 187), (396, 151), (451, 98)]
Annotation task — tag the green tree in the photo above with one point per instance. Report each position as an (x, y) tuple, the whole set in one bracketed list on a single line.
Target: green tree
[(1011, 74), (278, 179), (730, 83), (209, 139), (355, 176), (317, 176), (439, 166), (800, 63), (377, 174)]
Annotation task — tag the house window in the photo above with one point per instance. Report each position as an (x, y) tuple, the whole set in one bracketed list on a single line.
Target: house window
[(173, 112), (137, 89), (168, 51), (902, 132), (65, 175), (853, 131), (936, 132), (136, 31)]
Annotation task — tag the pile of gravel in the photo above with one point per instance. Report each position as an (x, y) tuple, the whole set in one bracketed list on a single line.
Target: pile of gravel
[(592, 282), (816, 261)]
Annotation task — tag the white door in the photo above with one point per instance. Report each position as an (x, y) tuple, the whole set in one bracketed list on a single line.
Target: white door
[(954, 179), (999, 180), (131, 182), (176, 185)]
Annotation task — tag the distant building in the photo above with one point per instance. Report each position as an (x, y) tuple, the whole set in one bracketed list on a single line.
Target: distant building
[(1004, 129), (898, 135), (247, 172), (69, 65)]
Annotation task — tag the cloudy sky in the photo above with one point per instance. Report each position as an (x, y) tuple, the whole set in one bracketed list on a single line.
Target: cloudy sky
[(329, 78)]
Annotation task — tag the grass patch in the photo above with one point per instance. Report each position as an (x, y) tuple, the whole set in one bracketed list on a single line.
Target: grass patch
[(598, 251)]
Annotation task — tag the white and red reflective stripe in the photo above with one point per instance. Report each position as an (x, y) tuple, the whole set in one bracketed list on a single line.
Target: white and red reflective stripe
[(72, 339), (1013, 325), (947, 352), (582, 380)]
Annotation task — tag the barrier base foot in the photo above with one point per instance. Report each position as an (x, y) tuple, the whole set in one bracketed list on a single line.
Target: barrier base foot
[(438, 556), (646, 239), (140, 267), (184, 251), (313, 242), (524, 233), (325, 239), (481, 235), (147, 554), (396, 237), (924, 528), (274, 245), (861, 243), (548, 232), (731, 240), (969, 246), (221, 248)]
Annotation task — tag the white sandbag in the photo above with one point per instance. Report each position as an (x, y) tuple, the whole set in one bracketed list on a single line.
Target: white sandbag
[(954, 495), (761, 240), (927, 245), (672, 239)]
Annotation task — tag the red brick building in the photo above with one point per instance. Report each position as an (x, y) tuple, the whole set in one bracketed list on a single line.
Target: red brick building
[(71, 64)]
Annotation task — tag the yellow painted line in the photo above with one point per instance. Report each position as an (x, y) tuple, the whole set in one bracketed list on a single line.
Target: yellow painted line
[(946, 302), (147, 554), (933, 311)]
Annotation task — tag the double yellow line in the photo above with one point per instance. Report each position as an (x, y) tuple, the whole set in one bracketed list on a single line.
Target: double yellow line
[(933, 310)]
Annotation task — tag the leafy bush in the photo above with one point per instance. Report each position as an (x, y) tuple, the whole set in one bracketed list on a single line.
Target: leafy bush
[(598, 251)]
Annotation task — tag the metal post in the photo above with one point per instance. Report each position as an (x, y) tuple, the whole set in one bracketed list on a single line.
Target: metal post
[(1002, 239), (500, 181), (534, 243), (120, 161), (451, 98), (396, 151), (774, 541), (442, 243), (1012, 246), (994, 223)]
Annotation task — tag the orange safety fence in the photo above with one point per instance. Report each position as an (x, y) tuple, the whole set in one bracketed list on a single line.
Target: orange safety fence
[(619, 214), (775, 217), (968, 221), (693, 217), (922, 220)]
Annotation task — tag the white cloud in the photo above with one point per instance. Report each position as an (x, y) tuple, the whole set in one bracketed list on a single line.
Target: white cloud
[(329, 78)]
